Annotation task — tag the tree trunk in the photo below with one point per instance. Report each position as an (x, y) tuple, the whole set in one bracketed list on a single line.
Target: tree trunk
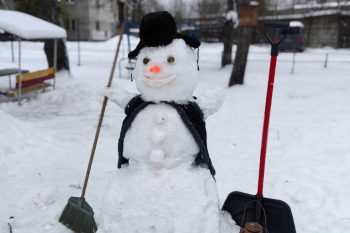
[(244, 39), (54, 16), (62, 56), (227, 37), (228, 40)]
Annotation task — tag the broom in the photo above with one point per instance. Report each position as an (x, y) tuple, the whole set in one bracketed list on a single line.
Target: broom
[(78, 214)]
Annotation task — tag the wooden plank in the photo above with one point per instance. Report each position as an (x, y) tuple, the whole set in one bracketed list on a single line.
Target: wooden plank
[(28, 90), (31, 82), (34, 88), (11, 94), (36, 74)]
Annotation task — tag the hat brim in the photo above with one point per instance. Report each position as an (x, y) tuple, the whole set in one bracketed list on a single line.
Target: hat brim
[(192, 42)]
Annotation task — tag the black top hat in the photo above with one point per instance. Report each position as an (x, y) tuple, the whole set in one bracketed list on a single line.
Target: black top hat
[(159, 29)]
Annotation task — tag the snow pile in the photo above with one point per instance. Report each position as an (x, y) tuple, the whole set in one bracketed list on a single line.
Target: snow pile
[(23, 166), (15, 135)]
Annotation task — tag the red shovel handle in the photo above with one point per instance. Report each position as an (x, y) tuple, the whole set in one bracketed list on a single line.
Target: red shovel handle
[(266, 124), (273, 61)]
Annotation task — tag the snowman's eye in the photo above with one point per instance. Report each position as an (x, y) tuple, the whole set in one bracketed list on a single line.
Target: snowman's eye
[(146, 60), (171, 59)]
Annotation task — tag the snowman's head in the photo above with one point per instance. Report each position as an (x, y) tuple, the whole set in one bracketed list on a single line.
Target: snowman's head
[(166, 68), (167, 73)]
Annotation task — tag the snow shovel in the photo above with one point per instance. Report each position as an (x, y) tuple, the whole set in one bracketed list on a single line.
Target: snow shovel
[(78, 214), (275, 216)]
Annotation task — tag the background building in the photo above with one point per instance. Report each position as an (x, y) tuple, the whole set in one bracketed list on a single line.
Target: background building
[(90, 20), (327, 22)]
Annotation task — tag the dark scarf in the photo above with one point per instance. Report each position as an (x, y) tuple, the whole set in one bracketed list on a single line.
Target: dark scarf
[(191, 115)]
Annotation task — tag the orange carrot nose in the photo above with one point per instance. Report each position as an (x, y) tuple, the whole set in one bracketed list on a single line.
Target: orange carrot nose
[(154, 69)]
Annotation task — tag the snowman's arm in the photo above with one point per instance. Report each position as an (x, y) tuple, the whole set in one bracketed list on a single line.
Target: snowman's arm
[(210, 101), (118, 95)]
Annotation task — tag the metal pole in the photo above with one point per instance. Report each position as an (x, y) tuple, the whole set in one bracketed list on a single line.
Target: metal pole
[(54, 61), (78, 28), (293, 62), (12, 51), (19, 98), (326, 61)]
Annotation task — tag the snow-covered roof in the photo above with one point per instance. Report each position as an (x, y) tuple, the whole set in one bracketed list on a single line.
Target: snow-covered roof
[(29, 27), (296, 24)]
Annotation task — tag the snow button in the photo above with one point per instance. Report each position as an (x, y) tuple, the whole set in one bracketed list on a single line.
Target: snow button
[(157, 155)]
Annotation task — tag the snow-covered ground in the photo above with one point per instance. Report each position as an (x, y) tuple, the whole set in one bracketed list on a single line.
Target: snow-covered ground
[(45, 144)]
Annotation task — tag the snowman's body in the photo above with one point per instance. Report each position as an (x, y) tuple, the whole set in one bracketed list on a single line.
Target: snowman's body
[(160, 190), (166, 142)]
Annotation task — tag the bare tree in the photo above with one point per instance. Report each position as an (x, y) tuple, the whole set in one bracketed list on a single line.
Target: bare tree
[(178, 9), (227, 36), (211, 7), (244, 39), (138, 8)]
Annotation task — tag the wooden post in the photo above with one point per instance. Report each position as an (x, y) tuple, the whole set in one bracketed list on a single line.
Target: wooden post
[(248, 20)]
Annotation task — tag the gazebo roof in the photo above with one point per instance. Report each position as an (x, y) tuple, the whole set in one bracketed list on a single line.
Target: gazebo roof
[(29, 27)]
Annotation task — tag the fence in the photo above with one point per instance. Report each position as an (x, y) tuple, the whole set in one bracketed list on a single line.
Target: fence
[(322, 59)]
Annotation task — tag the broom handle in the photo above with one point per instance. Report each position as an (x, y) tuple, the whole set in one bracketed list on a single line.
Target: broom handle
[(100, 120)]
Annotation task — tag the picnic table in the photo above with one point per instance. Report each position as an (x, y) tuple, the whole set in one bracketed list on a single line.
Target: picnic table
[(10, 71)]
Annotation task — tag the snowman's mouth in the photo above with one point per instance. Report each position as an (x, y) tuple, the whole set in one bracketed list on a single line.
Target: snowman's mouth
[(158, 82)]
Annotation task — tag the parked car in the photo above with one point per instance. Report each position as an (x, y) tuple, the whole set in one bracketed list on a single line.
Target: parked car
[(295, 37)]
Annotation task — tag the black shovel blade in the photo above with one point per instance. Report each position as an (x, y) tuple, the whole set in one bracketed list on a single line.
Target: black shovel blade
[(279, 218)]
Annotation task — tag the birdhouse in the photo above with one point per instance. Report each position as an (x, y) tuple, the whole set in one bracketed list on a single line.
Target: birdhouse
[(248, 12)]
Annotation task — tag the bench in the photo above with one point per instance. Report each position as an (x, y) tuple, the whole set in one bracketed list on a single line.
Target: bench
[(32, 82)]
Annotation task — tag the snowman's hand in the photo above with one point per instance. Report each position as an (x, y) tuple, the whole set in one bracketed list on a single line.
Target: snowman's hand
[(106, 91), (211, 100), (117, 95)]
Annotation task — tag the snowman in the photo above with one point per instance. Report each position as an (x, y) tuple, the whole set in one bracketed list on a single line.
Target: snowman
[(165, 183)]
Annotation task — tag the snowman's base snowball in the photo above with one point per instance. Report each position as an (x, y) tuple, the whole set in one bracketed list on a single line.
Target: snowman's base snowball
[(178, 200), (227, 224)]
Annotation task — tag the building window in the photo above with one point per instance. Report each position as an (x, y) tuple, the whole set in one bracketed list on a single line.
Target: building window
[(71, 24), (97, 25)]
